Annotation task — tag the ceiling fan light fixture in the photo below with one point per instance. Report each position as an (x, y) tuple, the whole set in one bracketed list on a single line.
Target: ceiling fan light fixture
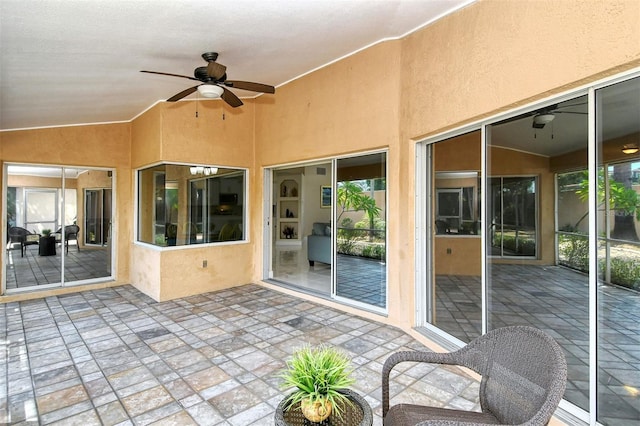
[(630, 149), (543, 119), (210, 91)]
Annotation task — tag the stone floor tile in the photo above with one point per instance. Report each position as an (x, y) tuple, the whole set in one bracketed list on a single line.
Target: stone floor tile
[(205, 415), (181, 418), (121, 358), (112, 413), (206, 378), (86, 418), (146, 400)]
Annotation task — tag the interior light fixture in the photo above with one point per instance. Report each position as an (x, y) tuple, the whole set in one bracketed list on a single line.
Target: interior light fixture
[(199, 170), (543, 119), (630, 149), (210, 90)]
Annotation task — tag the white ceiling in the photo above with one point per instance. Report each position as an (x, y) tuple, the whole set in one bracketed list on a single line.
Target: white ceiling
[(65, 62)]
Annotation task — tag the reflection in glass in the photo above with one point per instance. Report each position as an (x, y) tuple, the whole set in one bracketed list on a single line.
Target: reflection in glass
[(46, 210), (618, 230), (184, 205), (455, 296), (514, 212), (527, 281), (361, 198)]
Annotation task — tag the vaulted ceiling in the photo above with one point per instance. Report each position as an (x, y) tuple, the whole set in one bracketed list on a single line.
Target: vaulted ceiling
[(65, 62)]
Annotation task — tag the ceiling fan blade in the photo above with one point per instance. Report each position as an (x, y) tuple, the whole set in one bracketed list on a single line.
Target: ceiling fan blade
[(229, 97), (247, 85), (182, 94), (171, 75), (216, 70)]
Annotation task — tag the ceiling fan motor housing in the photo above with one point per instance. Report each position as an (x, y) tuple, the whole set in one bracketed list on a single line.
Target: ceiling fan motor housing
[(210, 56)]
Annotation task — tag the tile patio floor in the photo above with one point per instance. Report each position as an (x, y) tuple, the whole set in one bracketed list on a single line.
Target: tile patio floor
[(114, 356), (556, 299), (33, 270)]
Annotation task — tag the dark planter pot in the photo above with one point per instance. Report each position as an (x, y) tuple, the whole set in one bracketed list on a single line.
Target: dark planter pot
[(47, 246)]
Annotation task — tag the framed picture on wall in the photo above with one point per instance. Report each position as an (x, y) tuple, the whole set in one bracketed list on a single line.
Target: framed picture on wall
[(325, 197)]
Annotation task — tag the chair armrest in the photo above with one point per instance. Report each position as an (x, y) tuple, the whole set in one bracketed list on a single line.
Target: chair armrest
[(450, 358)]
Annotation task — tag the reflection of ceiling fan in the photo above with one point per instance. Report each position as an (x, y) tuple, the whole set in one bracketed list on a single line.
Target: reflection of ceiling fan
[(545, 115), (213, 79)]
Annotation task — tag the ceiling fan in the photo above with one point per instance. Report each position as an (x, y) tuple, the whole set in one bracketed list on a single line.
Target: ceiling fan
[(546, 115), (213, 79)]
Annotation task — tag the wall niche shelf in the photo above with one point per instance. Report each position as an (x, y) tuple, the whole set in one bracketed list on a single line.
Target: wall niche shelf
[(289, 209)]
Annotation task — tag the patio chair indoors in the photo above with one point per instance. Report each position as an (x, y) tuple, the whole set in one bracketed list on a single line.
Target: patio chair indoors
[(22, 236), (523, 371)]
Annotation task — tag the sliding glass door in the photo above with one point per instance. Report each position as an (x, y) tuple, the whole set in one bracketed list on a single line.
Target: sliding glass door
[(52, 213), (561, 240), (328, 229), (361, 237), (454, 298)]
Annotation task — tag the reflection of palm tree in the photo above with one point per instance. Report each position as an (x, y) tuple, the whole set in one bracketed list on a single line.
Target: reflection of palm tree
[(622, 199), (351, 197)]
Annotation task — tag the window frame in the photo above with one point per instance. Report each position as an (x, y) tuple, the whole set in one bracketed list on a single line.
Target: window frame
[(190, 168)]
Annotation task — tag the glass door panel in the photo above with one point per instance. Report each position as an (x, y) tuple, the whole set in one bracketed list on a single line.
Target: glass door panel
[(87, 228), (532, 167), (301, 227), (618, 230), (454, 298), (33, 256), (360, 209)]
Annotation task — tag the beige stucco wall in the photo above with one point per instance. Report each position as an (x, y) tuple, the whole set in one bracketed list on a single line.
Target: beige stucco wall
[(475, 63), (220, 136), (482, 60), (105, 146)]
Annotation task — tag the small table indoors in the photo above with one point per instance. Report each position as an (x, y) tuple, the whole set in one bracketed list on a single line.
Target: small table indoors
[(356, 414)]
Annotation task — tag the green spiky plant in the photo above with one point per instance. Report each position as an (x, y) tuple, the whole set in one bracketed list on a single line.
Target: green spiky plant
[(318, 374)]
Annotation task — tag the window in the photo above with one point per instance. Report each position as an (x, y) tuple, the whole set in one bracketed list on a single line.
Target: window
[(456, 211), (513, 207), (183, 205)]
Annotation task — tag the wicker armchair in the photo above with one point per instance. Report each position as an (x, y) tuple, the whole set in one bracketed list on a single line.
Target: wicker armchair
[(523, 371), (23, 237), (70, 233)]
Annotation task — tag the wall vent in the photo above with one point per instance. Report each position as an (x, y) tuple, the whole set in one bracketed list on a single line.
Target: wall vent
[(321, 171)]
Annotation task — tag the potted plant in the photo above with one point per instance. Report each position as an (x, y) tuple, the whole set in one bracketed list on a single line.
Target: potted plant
[(318, 374), (288, 231), (46, 232)]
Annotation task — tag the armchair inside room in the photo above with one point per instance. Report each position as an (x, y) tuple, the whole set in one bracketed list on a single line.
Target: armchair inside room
[(319, 243), (21, 237), (70, 234), (523, 376)]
